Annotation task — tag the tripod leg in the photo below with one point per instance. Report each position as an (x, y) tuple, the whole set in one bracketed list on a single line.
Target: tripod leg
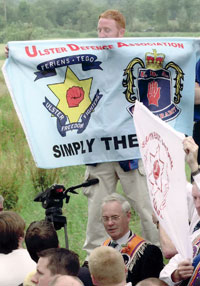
[(66, 236)]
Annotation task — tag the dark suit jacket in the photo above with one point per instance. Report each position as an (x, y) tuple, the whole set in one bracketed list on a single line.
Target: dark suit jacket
[(84, 276), (148, 265)]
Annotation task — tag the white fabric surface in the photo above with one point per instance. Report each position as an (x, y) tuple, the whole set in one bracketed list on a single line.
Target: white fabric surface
[(15, 266), (167, 271)]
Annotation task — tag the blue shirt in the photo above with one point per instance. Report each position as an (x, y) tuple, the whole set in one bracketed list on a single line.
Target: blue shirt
[(197, 107)]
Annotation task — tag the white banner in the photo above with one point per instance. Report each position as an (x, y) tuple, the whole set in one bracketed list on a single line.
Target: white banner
[(163, 157)]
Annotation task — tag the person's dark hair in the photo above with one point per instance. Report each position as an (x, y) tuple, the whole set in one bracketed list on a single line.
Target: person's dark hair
[(40, 235), (61, 261), (11, 230)]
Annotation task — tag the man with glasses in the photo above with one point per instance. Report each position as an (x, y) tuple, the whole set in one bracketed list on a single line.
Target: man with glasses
[(141, 258), (130, 173)]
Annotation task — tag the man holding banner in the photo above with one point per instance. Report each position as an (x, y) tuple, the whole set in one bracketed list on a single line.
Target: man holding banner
[(130, 173), (89, 119), (165, 167), (178, 269)]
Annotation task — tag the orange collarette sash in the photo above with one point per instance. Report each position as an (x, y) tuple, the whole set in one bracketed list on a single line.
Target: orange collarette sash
[(132, 250)]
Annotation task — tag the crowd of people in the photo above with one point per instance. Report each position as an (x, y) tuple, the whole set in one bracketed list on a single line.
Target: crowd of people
[(116, 255), (124, 258)]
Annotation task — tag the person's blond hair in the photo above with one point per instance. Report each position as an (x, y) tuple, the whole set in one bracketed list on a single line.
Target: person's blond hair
[(151, 282), (67, 280), (114, 15), (106, 266)]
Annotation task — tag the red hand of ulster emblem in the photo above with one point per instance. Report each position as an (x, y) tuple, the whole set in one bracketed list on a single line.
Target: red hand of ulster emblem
[(74, 96), (153, 94)]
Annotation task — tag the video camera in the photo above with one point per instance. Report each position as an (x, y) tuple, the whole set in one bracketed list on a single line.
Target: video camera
[(52, 200), (52, 197)]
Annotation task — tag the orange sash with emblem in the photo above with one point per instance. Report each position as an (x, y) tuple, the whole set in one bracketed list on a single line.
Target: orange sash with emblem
[(133, 249)]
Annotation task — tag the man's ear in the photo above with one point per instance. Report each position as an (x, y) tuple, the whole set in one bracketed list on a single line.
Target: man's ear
[(94, 280), (121, 32), (129, 214)]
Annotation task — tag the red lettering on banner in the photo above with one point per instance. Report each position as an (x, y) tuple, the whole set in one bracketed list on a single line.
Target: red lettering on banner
[(34, 52), (122, 45), (167, 113), (143, 74), (73, 47), (163, 44)]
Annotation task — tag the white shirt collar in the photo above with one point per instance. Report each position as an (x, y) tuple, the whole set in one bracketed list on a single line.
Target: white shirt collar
[(123, 239)]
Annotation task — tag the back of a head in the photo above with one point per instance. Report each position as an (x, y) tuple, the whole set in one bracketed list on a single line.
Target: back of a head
[(40, 235), (114, 15), (106, 266), (11, 229), (63, 280), (151, 282), (61, 261)]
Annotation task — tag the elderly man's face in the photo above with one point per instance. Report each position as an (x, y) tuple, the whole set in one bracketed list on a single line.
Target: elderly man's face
[(115, 221), (196, 197), (43, 275), (108, 28)]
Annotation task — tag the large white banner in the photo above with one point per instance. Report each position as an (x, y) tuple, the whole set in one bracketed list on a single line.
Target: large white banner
[(163, 157), (75, 97)]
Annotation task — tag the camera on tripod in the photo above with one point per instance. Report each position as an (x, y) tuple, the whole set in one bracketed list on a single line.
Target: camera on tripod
[(52, 201)]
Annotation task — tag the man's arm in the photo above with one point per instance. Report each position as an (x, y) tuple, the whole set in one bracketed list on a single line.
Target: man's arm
[(167, 247), (191, 153)]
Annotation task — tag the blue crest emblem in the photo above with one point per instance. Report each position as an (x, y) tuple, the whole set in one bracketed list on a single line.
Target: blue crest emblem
[(154, 85)]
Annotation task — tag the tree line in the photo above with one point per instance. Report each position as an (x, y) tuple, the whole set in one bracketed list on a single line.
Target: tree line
[(43, 19)]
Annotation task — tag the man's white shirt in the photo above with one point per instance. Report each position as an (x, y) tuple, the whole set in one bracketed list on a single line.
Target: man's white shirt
[(167, 271)]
